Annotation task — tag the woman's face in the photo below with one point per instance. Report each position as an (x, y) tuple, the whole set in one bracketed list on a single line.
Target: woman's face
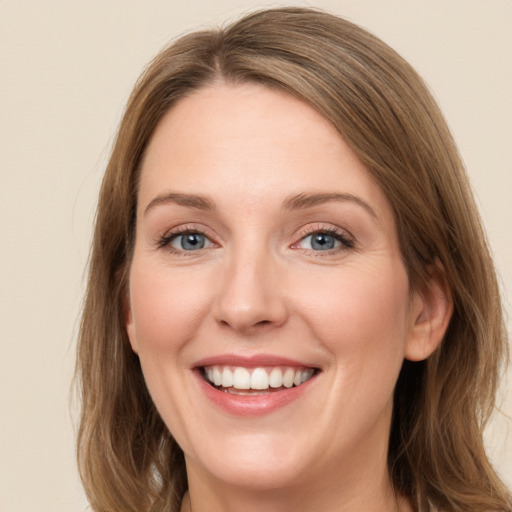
[(268, 301)]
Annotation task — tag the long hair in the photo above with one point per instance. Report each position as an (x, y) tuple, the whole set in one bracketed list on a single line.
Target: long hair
[(128, 460)]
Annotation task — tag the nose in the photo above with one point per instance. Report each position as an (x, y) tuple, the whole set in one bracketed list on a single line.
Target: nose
[(251, 296)]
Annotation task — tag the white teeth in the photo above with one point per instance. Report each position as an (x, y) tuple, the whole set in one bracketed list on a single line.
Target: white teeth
[(258, 378), (275, 378), (227, 378), (217, 376), (241, 378), (288, 376), (306, 375)]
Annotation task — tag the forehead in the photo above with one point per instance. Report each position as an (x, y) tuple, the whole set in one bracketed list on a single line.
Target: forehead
[(248, 142)]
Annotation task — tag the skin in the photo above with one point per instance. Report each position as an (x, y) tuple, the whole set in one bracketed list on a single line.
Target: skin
[(259, 287)]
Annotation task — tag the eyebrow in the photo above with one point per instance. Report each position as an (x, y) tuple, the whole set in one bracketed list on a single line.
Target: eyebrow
[(189, 200), (302, 201), (295, 202)]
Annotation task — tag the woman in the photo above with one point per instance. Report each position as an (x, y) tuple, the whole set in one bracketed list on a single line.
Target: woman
[(291, 304)]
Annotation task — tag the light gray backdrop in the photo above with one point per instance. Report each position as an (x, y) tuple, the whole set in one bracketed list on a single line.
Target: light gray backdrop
[(66, 69)]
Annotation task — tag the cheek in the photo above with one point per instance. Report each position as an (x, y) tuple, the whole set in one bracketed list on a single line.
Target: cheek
[(362, 315), (166, 307), (361, 320), (167, 310)]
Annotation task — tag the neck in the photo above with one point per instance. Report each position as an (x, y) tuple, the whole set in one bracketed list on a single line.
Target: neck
[(393, 503)]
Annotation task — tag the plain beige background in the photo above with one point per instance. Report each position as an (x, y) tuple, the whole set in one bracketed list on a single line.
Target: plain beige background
[(66, 70)]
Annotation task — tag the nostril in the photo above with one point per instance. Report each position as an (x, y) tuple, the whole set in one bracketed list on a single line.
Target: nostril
[(261, 323)]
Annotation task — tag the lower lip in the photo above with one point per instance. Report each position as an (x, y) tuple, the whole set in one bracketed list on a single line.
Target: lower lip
[(252, 405)]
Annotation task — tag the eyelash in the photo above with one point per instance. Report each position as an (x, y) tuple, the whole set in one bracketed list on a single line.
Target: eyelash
[(347, 242), (165, 241)]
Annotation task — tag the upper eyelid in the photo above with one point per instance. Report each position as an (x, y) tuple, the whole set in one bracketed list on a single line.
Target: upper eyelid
[(187, 228), (319, 227), (163, 239)]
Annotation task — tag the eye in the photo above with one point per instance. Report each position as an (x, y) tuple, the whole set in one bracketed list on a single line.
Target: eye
[(321, 242), (188, 241), (324, 240), (185, 240)]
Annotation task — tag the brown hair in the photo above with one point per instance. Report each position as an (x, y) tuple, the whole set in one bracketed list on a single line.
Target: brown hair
[(128, 459)]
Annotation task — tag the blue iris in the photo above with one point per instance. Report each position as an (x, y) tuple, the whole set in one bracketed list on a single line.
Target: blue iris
[(192, 241), (322, 242)]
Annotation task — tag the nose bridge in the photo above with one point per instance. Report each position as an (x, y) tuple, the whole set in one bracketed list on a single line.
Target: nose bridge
[(250, 295)]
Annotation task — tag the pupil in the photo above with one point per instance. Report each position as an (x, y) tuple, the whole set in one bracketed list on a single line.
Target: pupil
[(193, 241), (322, 241)]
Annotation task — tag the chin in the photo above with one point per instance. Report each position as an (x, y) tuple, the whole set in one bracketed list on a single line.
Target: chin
[(260, 464)]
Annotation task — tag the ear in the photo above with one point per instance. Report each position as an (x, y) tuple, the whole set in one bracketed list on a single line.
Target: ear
[(129, 322), (430, 314)]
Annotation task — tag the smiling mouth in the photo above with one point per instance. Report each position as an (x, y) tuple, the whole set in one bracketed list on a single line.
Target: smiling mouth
[(240, 380)]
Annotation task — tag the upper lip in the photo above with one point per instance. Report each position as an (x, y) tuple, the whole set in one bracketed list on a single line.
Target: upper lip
[(252, 361)]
